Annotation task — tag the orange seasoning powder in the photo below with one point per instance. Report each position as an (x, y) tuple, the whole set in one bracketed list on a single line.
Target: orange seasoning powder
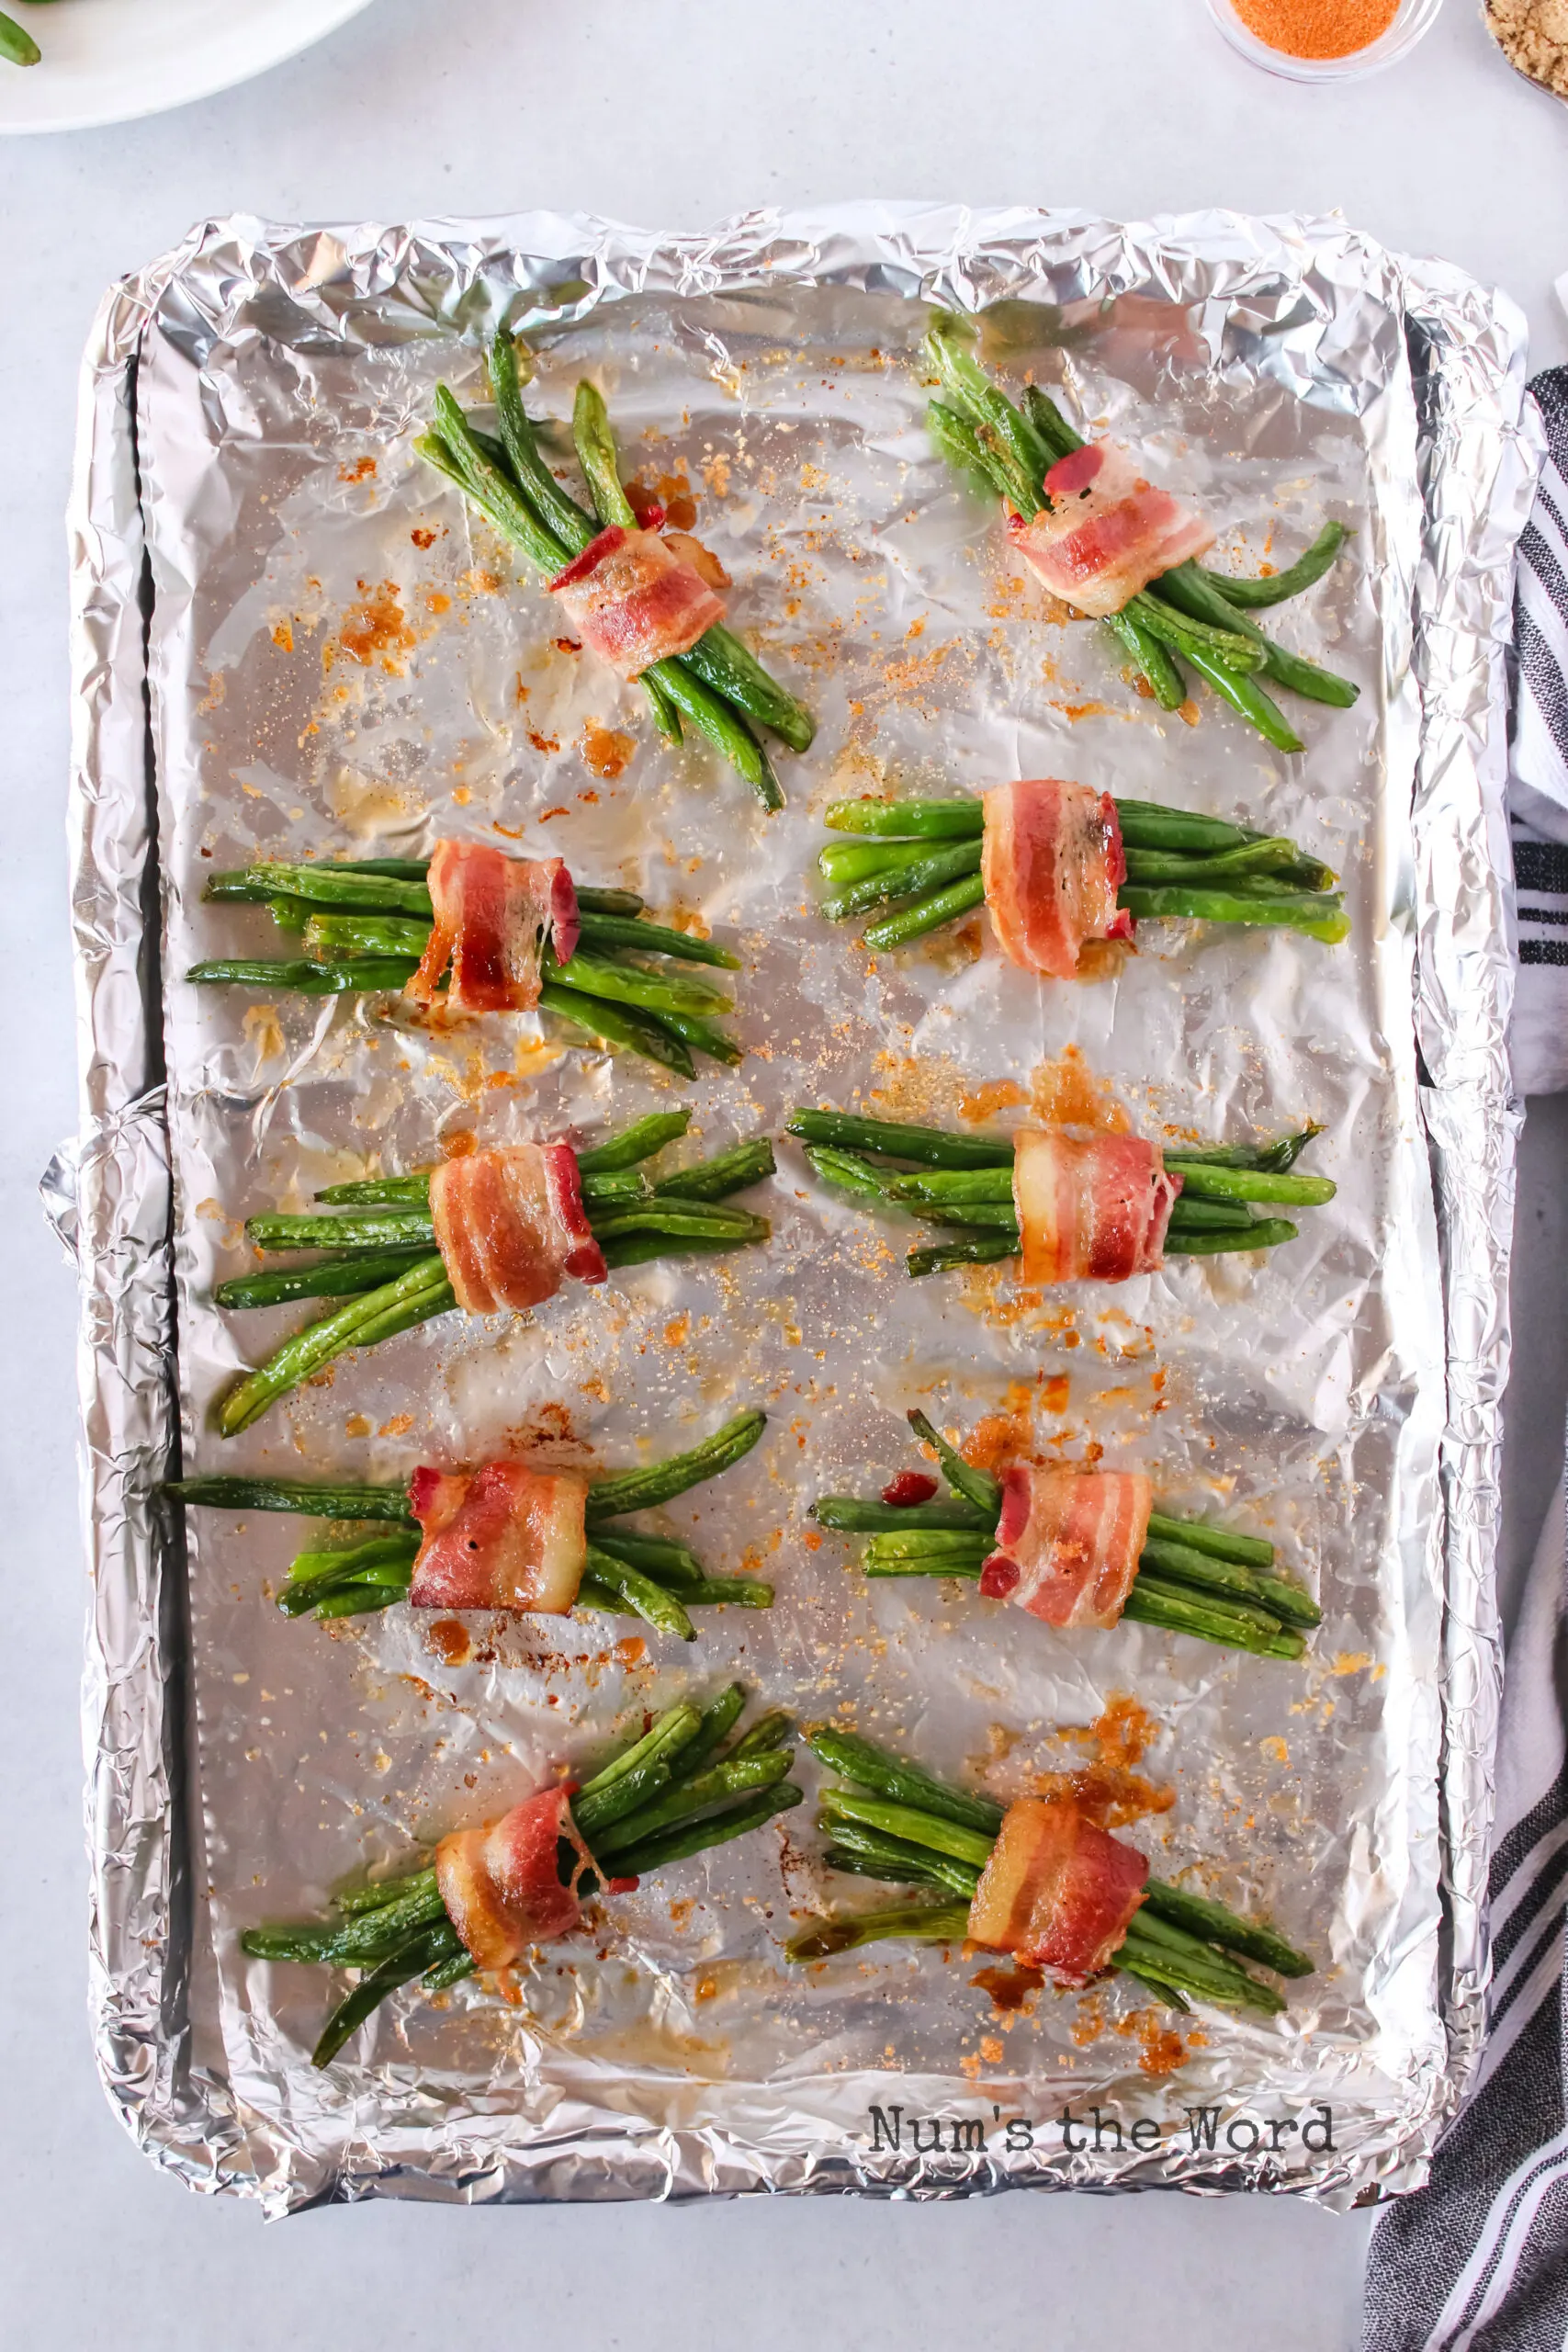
[(1317, 28)]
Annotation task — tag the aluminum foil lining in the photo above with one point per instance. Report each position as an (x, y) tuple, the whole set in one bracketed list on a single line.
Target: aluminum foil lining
[(290, 637)]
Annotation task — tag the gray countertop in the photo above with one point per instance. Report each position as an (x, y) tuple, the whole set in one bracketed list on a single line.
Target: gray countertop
[(674, 115)]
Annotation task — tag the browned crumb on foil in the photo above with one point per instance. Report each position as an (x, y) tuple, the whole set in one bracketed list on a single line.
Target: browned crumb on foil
[(1533, 36)]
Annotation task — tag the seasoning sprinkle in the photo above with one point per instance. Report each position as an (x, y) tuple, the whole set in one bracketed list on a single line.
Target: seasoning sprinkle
[(1317, 28)]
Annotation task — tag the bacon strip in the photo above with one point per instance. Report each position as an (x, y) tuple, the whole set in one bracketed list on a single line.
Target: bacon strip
[(1091, 1208), (505, 1538), (635, 600), (1051, 862), (501, 1885), (1057, 1891), (511, 1225), (491, 914), (1068, 1543), (1106, 532)]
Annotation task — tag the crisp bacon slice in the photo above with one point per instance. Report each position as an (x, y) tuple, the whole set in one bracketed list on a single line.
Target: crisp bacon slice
[(1057, 1891), (511, 1225), (505, 1538), (1091, 1208), (491, 914), (501, 1885), (635, 599), (1106, 532), (1051, 862), (1068, 1543)]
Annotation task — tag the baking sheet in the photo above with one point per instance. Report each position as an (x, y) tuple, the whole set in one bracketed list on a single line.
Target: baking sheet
[(325, 672)]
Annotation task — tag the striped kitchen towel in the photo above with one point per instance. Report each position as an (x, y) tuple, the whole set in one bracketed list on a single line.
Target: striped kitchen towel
[(1477, 2261), (1537, 761)]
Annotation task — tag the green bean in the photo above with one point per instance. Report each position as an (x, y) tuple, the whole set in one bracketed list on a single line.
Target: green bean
[(1208, 1216), (852, 1516), (1208, 1182), (696, 1221), (668, 1737), (660, 1482), (704, 1038), (345, 1277), (952, 1186), (1153, 1603), (603, 1191), (728, 1592), (735, 1776), (1180, 1564), (721, 661), (946, 347), (849, 1173), (728, 1172), (655, 939), (933, 1146), (976, 1487), (925, 914), (873, 1855), (723, 726), (1275, 587), (617, 1024), (852, 861), (874, 1768), (374, 1895), (1199, 1536), (1271, 855), (629, 984), (17, 46), (352, 1942), (937, 868), (1153, 658), (1245, 696), (670, 1565), (1267, 1233), (980, 1250), (769, 1731), (1146, 825), (968, 1565), (384, 1192), (639, 1142), (1317, 916), (696, 1837), (225, 1493), (1214, 1923), (641, 1595), (719, 1720), (450, 1971), (929, 819), (330, 885), (959, 443), (1240, 654), (1189, 590), (641, 1249), (370, 1228), (420, 1953), (932, 1544), (1210, 1977), (339, 938), (422, 1291), (927, 1923), (560, 514), (595, 1811), (614, 904), (365, 977), (971, 1215), (594, 439), (510, 508), (1058, 436)]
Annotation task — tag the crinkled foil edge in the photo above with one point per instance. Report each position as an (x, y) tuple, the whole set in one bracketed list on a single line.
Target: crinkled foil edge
[(109, 1191)]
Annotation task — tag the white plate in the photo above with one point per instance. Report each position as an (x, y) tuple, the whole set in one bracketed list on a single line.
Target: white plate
[(108, 61)]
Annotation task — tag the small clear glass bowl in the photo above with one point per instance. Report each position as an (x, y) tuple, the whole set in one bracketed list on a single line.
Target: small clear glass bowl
[(1411, 19)]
